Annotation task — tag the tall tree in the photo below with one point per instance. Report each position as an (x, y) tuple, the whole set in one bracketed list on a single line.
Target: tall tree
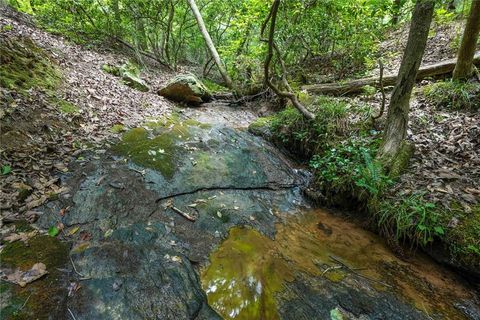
[(464, 67), (210, 45), (393, 147)]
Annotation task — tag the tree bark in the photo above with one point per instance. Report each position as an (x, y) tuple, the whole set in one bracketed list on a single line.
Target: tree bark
[(210, 45), (355, 86), (397, 118), (465, 68)]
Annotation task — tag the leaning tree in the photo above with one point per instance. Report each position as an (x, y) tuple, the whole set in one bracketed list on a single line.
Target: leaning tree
[(395, 151)]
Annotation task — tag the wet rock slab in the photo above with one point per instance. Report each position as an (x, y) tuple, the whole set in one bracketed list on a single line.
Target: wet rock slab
[(137, 257)]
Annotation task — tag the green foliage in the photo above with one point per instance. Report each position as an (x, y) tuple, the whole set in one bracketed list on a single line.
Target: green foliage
[(213, 86), (443, 16), (349, 167), (6, 169), (341, 32), (410, 218), (454, 95)]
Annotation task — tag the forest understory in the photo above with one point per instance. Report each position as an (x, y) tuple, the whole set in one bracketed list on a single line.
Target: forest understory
[(61, 104)]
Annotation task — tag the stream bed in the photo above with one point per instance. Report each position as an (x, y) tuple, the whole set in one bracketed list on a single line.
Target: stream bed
[(190, 220)]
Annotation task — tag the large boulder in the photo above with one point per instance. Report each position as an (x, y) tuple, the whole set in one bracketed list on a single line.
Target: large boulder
[(186, 88)]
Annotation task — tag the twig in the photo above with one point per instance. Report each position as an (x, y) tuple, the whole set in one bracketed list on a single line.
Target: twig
[(358, 274), (76, 271), (142, 172), (23, 305), (71, 313), (183, 214), (331, 268)]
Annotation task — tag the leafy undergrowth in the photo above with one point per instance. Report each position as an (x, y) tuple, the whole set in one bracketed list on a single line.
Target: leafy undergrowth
[(454, 95), (342, 152)]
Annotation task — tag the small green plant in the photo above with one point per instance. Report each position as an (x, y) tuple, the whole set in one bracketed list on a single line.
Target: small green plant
[(411, 217), (67, 107), (454, 95), (350, 167)]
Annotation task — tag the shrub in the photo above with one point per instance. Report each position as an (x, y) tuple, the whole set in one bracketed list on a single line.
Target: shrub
[(454, 95)]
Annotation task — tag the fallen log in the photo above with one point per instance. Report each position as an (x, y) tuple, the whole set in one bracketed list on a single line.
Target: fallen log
[(355, 86)]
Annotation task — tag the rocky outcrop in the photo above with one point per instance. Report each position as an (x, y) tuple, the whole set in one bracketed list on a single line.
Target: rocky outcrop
[(186, 88)]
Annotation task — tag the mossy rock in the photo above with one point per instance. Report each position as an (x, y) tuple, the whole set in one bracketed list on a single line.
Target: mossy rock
[(186, 88), (261, 127), (23, 66), (130, 75)]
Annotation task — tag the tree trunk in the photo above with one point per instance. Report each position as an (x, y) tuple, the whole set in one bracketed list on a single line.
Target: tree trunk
[(397, 119), (210, 45), (464, 68)]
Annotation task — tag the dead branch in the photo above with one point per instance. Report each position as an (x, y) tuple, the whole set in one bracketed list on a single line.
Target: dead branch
[(352, 270), (183, 214)]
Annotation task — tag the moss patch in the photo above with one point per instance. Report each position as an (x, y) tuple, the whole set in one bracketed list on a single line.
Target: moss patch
[(463, 239), (23, 65), (160, 149), (67, 107), (48, 294)]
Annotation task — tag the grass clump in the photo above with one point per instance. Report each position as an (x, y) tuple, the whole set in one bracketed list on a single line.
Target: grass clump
[(411, 218), (454, 95)]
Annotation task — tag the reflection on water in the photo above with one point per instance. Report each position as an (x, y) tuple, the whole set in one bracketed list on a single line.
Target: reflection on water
[(248, 269)]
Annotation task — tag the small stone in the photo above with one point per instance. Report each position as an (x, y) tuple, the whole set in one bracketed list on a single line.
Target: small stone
[(117, 284)]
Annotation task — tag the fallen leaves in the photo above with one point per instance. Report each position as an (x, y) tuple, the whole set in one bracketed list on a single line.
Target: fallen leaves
[(22, 278), (22, 236)]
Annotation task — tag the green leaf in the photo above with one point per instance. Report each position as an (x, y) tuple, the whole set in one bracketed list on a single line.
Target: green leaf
[(53, 231), (6, 169), (439, 230)]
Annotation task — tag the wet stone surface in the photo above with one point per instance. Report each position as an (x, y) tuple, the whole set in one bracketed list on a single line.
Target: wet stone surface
[(255, 249)]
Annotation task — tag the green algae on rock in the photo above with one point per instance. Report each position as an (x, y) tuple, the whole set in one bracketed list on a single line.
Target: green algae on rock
[(158, 152)]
